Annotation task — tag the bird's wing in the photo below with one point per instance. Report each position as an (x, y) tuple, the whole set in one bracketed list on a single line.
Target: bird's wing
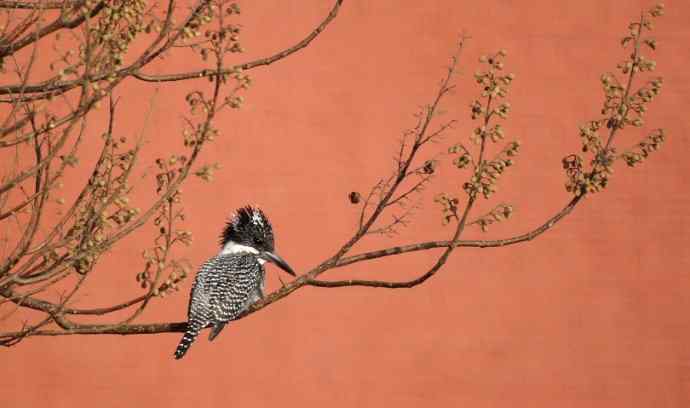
[(199, 308), (231, 294)]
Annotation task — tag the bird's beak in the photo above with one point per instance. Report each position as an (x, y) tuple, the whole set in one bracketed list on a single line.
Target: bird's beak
[(271, 257)]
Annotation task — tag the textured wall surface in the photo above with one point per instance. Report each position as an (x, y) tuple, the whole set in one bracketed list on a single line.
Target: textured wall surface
[(594, 313)]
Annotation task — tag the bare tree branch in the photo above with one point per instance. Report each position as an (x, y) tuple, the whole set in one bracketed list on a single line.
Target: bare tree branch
[(37, 5), (63, 86), (59, 23), (251, 64)]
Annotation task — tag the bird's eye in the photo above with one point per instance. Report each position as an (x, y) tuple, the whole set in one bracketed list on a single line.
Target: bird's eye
[(258, 241)]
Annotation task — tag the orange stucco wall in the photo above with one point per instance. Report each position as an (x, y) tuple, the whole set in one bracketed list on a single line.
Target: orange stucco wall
[(592, 314)]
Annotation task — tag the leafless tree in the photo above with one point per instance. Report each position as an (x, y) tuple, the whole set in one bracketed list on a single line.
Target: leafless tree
[(44, 122)]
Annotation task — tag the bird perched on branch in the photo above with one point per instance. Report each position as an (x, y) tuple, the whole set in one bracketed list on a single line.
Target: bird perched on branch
[(227, 284)]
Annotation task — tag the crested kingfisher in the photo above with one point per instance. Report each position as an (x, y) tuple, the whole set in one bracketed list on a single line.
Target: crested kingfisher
[(227, 284)]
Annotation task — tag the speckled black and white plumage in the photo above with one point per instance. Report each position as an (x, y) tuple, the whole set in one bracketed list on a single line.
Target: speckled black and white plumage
[(227, 284), (224, 287)]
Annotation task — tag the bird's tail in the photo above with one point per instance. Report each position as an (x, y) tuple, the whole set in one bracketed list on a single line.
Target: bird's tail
[(187, 340)]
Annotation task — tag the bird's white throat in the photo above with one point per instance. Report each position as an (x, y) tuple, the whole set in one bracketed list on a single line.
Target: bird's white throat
[(233, 247)]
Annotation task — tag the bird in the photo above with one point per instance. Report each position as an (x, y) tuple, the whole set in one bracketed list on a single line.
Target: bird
[(229, 283)]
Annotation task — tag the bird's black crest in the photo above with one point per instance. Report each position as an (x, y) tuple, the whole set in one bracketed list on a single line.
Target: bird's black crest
[(246, 224)]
